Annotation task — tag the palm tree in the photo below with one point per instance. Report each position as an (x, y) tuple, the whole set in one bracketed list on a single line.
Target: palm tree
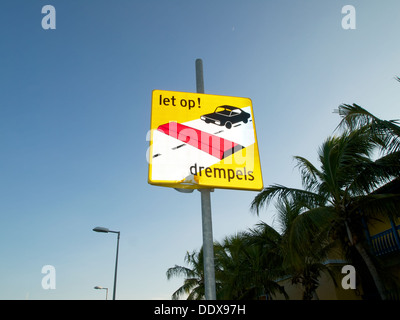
[(296, 252), (339, 194), (244, 269), (241, 269), (193, 284)]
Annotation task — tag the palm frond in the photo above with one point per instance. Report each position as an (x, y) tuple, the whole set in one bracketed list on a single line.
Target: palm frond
[(374, 174), (354, 116), (385, 133), (308, 229), (306, 198), (310, 175), (377, 205), (180, 271), (188, 286)]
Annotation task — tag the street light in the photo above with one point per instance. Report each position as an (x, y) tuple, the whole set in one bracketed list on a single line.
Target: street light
[(106, 230), (98, 287)]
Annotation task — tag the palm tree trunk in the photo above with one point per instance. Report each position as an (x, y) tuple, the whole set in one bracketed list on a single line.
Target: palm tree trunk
[(314, 295), (369, 263), (371, 267)]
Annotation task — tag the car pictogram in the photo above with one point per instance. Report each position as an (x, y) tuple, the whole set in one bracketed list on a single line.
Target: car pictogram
[(226, 116)]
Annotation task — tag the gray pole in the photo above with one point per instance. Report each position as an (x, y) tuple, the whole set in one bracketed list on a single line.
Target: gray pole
[(199, 76), (106, 230), (208, 243), (116, 267)]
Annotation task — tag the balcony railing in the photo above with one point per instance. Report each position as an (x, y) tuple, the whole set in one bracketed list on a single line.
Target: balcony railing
[(386, 242)]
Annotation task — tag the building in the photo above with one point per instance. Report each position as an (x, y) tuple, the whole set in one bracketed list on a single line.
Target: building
[(383, 239)]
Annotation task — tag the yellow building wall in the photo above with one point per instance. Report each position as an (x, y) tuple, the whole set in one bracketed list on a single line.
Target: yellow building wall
[(326, 290), (378, 226)]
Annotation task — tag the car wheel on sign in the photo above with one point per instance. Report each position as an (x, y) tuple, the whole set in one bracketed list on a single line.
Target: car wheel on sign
[(228, 125)]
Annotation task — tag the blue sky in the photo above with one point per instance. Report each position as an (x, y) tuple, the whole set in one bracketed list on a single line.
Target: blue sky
[(75, 111)]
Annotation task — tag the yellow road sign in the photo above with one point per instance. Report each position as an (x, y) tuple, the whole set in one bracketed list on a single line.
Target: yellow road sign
[(203, 141)]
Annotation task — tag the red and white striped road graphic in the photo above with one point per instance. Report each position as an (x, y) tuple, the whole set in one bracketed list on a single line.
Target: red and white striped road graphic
[(204, 141)]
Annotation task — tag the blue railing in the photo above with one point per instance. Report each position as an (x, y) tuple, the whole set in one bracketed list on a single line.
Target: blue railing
[(386, 242)]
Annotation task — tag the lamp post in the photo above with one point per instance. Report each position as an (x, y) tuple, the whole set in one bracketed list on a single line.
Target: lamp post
[(99, 288), (106, 230)]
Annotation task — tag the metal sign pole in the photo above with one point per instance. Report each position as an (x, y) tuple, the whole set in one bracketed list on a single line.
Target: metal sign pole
[(208, 242)]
